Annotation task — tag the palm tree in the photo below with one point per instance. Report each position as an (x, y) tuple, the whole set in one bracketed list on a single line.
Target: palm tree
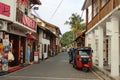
[(75, 23)]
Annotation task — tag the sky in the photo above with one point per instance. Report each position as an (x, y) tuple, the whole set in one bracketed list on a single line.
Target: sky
[(63, 12)]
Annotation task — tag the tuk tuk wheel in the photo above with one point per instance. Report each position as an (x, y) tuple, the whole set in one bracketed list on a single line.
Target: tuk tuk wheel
[(85, 69)]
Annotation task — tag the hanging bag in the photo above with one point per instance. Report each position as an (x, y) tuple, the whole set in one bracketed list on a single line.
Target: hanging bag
[(10, 56)]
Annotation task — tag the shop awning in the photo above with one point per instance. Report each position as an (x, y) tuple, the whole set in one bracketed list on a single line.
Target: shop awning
[(30, 36)]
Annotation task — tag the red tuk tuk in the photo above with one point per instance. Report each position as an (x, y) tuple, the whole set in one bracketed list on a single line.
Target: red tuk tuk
[(83, 58)]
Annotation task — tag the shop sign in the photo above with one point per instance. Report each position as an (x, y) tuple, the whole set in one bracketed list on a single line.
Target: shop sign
[(28, 22), (4, 9), (36, 54)]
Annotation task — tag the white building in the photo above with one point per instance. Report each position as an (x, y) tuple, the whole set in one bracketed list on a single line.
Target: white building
[(103, 33), (15, 23)]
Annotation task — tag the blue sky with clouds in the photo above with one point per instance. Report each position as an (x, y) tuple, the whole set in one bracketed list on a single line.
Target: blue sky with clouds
[(63, 13)]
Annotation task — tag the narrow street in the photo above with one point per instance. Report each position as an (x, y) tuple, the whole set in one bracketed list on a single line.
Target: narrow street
[(54, 68)]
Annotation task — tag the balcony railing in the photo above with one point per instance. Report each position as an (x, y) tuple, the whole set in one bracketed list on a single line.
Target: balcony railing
[(103, 12), (116, 3), (24, 19), (93, 22)]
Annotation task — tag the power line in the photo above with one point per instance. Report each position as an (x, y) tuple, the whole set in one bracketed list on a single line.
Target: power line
[(56, 9)]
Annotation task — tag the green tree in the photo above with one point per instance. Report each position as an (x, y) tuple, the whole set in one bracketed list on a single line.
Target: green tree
[(75, 21), (67, 38)]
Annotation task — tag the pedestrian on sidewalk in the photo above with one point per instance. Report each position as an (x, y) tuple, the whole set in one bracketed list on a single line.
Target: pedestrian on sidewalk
[(53, 51)]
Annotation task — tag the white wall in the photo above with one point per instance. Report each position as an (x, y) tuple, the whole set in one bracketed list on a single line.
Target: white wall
[(95, 8), (47, 42), (119, 51), (40, 43), (43, 41)]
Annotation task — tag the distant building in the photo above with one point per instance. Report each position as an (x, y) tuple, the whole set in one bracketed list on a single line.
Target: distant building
[(48, 38), (80, 40)]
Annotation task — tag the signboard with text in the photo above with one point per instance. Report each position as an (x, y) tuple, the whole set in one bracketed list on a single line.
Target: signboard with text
[(4, 9), (28, 22)]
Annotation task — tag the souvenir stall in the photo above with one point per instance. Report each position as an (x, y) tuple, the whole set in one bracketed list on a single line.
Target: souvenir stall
[(6, 55), (12, 50)]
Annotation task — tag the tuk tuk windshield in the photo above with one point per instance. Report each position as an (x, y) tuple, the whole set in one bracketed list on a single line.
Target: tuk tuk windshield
[(84, 53)]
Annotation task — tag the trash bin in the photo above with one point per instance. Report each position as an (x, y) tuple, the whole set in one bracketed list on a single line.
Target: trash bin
[(36, 58)]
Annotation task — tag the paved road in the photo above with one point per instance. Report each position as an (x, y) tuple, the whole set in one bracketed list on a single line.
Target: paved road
[(54, 68)]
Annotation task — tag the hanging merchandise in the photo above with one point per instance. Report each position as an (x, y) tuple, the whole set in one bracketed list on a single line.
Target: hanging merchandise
[(5, 67), (6, 45), (10, 56), (5, 42), (0, 55), (7, 48), (1, 35), (1, 46), (0, 60), (5, 55), (4, 61)]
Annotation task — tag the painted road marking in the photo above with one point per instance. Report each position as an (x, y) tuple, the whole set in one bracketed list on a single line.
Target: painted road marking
[(53, 78)]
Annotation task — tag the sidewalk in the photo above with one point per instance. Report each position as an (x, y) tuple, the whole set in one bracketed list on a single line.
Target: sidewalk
[(104, 73), (12, 69)]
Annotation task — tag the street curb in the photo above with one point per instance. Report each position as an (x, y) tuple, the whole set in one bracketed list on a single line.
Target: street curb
[(102, 73), (7, 72), (3, 73)]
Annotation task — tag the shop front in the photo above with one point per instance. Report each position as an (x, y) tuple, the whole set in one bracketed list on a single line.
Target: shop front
[(12, 47), (17, 39), (31, 48), (18, 49)]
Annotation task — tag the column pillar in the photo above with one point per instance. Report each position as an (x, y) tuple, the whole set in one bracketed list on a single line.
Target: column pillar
[(87, 12), (93, 46), (109, 34), (115, 47), (86, 40), (100, 47), (96, 46)]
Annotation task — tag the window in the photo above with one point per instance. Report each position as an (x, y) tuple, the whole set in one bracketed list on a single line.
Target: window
[(104, 2), (95, 8), (44, 35), (83, 53)]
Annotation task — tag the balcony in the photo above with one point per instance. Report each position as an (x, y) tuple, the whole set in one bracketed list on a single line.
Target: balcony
[(25, 20), (103, 12)]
